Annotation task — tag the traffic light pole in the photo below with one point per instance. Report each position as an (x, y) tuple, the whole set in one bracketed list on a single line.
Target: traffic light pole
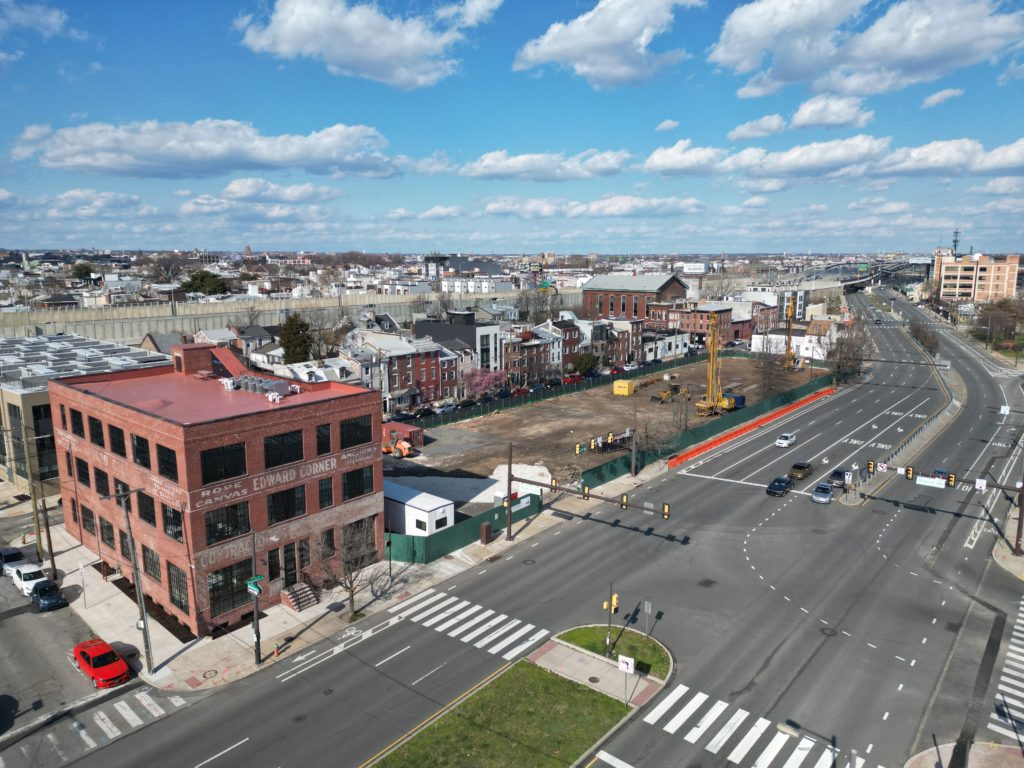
[(608, 637)]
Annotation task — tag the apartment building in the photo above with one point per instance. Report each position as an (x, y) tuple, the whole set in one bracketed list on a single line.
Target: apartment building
[(974, 278)]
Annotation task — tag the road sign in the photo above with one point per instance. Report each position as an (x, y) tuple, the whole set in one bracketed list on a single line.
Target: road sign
[(1004, 410), (627, 664), (880, 467), (254, 589), (848, 477), (254, 579), (980, 484), (931, 482)]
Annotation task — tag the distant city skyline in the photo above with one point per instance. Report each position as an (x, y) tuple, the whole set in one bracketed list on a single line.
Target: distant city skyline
[(479, 126)]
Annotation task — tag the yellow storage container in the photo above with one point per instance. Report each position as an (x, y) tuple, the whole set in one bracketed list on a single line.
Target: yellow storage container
[(624, 387)]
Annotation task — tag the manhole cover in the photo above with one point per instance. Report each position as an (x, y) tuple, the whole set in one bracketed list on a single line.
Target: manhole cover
[(210, 673), (827, 631), (22, 497), (818, 531), (594, 679), (707, 583), (529, 562)]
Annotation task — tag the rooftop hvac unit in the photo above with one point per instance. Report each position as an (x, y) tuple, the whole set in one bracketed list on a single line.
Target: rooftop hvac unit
[(274, 397), (295, 389), (278, 387), (229, 384)]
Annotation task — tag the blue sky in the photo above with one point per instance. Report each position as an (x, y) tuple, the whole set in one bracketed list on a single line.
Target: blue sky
[(512, 126)]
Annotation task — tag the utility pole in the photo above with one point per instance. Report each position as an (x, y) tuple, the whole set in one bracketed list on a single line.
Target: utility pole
[(254, 588), (49, 542), (632, 459), (608, 637), (139, 595), (31, 488), (508, 498)]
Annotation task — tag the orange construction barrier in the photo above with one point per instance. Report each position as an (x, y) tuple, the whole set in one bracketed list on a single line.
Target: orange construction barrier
[(732, 434)]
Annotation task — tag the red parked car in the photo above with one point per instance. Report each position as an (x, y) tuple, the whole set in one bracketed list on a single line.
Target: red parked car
[(574, 378), (100, 663)]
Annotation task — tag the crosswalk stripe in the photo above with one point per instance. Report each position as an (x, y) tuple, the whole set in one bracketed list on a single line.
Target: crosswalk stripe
[(723, 735), (858, 762), (487, 625), (828, 757), (496, 634), (52, 738), (106, 725), (128, 714), (1016, 690), (147, 701), (410, 600), (1014, 664), (1013, 673), (523, 646), (686, 712), (612, 760), (456, 619), (445, 614), (1007, 719), (774, 746), (1011, 655), (1003, 699), (705, 722), (463, 627), (176, 701), (430, 600), (78, 728), (510, 639), (803, 749), (665, 704), (1004, 731), (748, 741), (432, 609)]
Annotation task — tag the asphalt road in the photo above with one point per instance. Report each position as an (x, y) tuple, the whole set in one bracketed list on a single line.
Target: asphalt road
[(875, 626)]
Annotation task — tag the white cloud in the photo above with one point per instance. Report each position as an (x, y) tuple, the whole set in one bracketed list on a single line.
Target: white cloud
[(7, 197), (437, 163), (253, 189), (441, 212), (399, 214), (609, 44), (940, 96), (831, 112), (879, 206), (547, 166), (89, 203), (681, 158), (203, 148), (37, 17), (1014, 71), (361, 40), (1002, 185), (10, 58), (667, 125), (182, 192), (809, 159), (610, 206), (755, 129), (531, 208), (757, 201), (763, 185)]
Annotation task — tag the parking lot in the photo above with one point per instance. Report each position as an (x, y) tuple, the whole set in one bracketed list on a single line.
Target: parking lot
[(547, 431)]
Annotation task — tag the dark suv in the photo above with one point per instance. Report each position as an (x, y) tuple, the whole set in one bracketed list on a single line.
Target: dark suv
[(838, 478)]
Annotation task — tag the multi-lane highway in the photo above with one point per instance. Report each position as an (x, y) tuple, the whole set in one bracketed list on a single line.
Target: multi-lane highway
[(802, 633)]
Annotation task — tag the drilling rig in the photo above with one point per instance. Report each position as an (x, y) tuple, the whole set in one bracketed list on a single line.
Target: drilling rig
[(712, 401), (790, 311)]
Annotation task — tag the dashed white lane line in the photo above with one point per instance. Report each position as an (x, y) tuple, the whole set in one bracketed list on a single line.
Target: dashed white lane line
[(424, 677), (393, 655)]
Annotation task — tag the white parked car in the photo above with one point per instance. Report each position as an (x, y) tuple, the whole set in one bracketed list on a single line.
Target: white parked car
[(25, 578), (11, 558), (785, 440), (631, 367)]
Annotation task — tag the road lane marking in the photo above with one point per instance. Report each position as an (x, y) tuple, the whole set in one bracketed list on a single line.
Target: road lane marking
[(455, 619), (80, 730), (686, 712), (613, 761), (418, 615), (221, 753), (463, 627), (106, 725), (803, 749), (723, 735), (496, 634), (748, 741), (523, 646), (432, 599), (827, 758), (128, 714), (410, 600), (774, 746), (705, 722), (52, 738), (488, 625), (420, 679), (511, 638), (445, 614), (389, 658), (147, 701)]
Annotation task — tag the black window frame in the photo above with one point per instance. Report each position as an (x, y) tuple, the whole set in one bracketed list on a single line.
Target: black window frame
[(356, 480), (141, 457), (122, 495), (177, 587), (325, 492), (286, 504), (147, 508), (356, 431), (221, 463), (328, 544), (82, 471), (102, 481), (126, 550), (230, 591), (151, 563), (323, 439), (77, 423), (88, 519), (115, 436), (223, 523), (167, 462), (96, 432), (174, 524), (283, 448), (107, 532)]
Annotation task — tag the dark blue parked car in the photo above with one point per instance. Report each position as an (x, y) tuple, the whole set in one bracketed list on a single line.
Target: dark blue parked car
[(46, 596)]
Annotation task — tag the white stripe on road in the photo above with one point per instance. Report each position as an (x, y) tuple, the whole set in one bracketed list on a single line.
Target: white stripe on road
[(52, 738), (665, 705), (463, 627), (445, 614), (612, 760), (456, 619), (429, 601), (176, 701), (420, 679), (432, 609), (523, 646), (774, 746), (389, 658), (686, 712), (222, 752), (128, 714), (723, 735), (147, 701), (705, 722), (511, 638), (803, 749), (496, 634), (487, 625), (106, 725), (748, 741), (410, 600), (1004, 731), (827, 758), (80, 729)]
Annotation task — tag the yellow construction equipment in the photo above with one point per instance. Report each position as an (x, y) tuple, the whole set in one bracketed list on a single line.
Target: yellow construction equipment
[(624, 387), (712, 401), (398, 447), (670, 394), (790, 311)]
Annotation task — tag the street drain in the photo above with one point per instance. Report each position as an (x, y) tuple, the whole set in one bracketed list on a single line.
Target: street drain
[(529, 562), (706, 583), (594, 679), (827, 631)]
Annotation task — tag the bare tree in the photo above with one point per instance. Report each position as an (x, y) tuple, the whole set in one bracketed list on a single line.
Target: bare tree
[(165, 268), (535, 306), (349, 568), (845, 353), (770, 361), (720, 286)]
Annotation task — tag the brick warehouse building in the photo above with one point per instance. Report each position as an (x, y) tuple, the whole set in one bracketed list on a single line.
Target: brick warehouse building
[(625, 297), (218, 467)]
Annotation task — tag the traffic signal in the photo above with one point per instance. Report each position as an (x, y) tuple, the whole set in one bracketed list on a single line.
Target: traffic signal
[(664, 511), (871, 467), (951, 480), (624, 501), (908, 472), (586, 491), (579, 449), (615, 602), (610, 436), (593, 443), (554, 484)]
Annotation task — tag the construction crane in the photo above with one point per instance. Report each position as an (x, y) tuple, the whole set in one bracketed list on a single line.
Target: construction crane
[(712, 401), (790, 311)]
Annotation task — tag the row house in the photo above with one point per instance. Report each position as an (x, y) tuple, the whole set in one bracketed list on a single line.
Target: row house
[(694, 319), (570, 342), (408, 371), (528, 356), (483, 337)]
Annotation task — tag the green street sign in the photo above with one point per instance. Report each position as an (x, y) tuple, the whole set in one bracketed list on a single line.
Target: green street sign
[(254, 589), (254, 579)]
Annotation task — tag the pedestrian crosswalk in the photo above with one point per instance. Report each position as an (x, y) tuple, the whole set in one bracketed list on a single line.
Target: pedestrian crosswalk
[(471, 623), (1007, 718), (742, 738), (83, 732)]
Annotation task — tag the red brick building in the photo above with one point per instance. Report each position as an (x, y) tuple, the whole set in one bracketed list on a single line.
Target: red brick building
[(528, 358), (218, 468), (623, 297)]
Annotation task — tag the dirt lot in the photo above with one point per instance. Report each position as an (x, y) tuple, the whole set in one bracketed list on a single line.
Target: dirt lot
[(546, 432)]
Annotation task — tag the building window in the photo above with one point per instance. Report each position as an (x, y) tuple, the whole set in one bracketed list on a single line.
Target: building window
[(284, 505), (116, 435), (223, 462), (357, 431), (227, 522), (77, 423), (326, 492), (140, 451), (74, 510), (147, 509), (96, 432), (150, 563), (273, 564), (126, 551), (82, 472), (172, 522), (227, 587), (441, 523), (177, 587), (421, 525), (282, 449), (327, 545), (67, 460), (636, 307), (106, 533), (357, 483), (63, 417), (102, 481), (123, 495), (167, 462), (303, 554), (323, 439), (88, 520)]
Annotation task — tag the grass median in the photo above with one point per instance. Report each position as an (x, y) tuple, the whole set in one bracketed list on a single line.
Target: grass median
[(527, 716), (651, 656)]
